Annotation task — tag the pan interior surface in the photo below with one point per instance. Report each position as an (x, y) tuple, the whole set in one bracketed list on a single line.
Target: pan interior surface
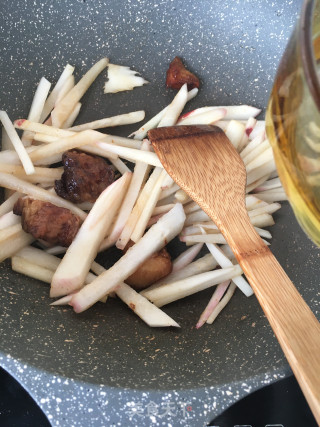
[(234, 50)]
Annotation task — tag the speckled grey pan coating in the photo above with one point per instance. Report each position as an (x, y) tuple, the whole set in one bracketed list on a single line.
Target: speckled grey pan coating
[(98, 367)]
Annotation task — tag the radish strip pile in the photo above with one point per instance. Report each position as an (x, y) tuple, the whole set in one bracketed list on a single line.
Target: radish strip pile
[(144, 206)]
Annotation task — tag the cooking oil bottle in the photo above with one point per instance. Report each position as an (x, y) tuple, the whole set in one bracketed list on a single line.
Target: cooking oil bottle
[(293, 120)]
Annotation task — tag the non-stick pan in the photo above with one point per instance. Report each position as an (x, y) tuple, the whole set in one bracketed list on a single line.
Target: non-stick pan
[(105, 366)]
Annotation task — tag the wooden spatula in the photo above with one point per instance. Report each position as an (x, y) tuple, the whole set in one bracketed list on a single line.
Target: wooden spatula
[(205, 164)]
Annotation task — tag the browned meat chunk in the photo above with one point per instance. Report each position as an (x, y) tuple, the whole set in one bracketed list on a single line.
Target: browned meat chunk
[(156, 267), (178, 75), (54, 225), (84, 177)]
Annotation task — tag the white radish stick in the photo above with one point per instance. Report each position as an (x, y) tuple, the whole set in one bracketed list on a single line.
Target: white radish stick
[(261, 170), (197, 216), (122, 78), (182, 196), (41, 175), (253, 144), (256, 183), (224, 262), (56, 250), (39, 258), (92, 149), (205, 118), (11, 157), (175, 108), (169, 191), (23, 266), (240, 112), (5, 141), (75, 265), (186, 258), (80, 139), (143, 308), (154, 219), (138, 209), (212, 228), (141, 133), (17, 242), (65, 106), (198, 112), (42, 128), (270, 209), (273, 196), (253, 202), (17, 143), (121, 141), (259, 129), (212, 304), (131, 154), (9, 232), (65, 89), (62, 301), (222, 303), (51, 100), (9, 219), (271, 184), (73, 115), (121, 119), (260, 220), (149, 206), (36, 108), (191, 207), (194, 229), (42, 137), (155, 239), (162, 209), (235, 131), (173, 291), (201, 265), (263, 233), (251, 122), (137, 179), (147, 311), (217, 238), (66, 299), (261, 148), (52, 134), (14, 183), (8, 204)]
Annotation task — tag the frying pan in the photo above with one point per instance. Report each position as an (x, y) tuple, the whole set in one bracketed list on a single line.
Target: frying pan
[(105, 366)]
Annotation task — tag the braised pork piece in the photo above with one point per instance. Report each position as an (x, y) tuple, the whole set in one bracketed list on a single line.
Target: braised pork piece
[(84, 178), (45, 221), (156, 267), (178, 75)]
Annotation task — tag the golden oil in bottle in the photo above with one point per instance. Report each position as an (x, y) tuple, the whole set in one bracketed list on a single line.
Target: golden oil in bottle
[(293, 128)]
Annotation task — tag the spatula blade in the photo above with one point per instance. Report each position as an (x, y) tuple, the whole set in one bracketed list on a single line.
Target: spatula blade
[(201, 159)]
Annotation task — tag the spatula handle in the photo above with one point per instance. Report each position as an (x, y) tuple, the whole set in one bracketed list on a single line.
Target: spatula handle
[(294, 324)]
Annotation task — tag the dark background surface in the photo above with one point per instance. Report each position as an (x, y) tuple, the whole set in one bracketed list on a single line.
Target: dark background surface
[(234, 47), (280, 403)]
